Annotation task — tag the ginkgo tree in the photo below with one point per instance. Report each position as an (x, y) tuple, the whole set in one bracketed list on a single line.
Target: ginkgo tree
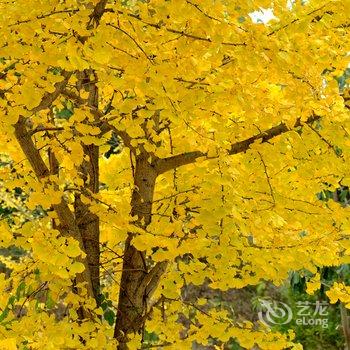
[(223, 130)]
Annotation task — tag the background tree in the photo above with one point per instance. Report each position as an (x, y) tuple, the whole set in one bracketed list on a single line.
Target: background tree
[(225, 130)]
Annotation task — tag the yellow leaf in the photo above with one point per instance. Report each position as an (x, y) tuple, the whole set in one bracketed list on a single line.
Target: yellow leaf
[(5, 233), (73, 250), (201, 301), (77, 267), (8, 344)]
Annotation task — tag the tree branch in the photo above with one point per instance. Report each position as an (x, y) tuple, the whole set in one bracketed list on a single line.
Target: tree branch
[(151, 280), (42, 171), (170, 163), (49, 98), (64, 214), (102, 123), (24, 137), (31, 152), (97, 14)]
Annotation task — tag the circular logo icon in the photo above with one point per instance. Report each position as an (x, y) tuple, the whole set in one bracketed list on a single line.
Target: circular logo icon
[(275, 313)]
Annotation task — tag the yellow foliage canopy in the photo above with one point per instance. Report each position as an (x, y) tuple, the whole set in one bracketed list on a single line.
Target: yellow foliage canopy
[(228, 126)]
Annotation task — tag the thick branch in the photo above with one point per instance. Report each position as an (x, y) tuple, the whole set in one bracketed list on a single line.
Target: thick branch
[(24, 137), (170, 163), (49, 98), (97, 14), (31, 152), (64, 214), (41, 170), (87, 221), (153, 278)]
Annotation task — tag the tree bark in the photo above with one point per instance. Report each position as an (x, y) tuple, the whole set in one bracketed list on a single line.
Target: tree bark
[(345, 322), (138, 281), (66, 218), (87, 221)]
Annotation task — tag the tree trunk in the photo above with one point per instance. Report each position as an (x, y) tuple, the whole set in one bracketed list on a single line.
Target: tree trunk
[(137, 281), (345, 321), (88, 222)]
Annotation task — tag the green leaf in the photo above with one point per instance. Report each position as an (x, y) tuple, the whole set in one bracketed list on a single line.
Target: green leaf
[(4, 314), (104, 306), (49, 302), (64, 114), (20, 290), (109, 316), (11, 300)]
